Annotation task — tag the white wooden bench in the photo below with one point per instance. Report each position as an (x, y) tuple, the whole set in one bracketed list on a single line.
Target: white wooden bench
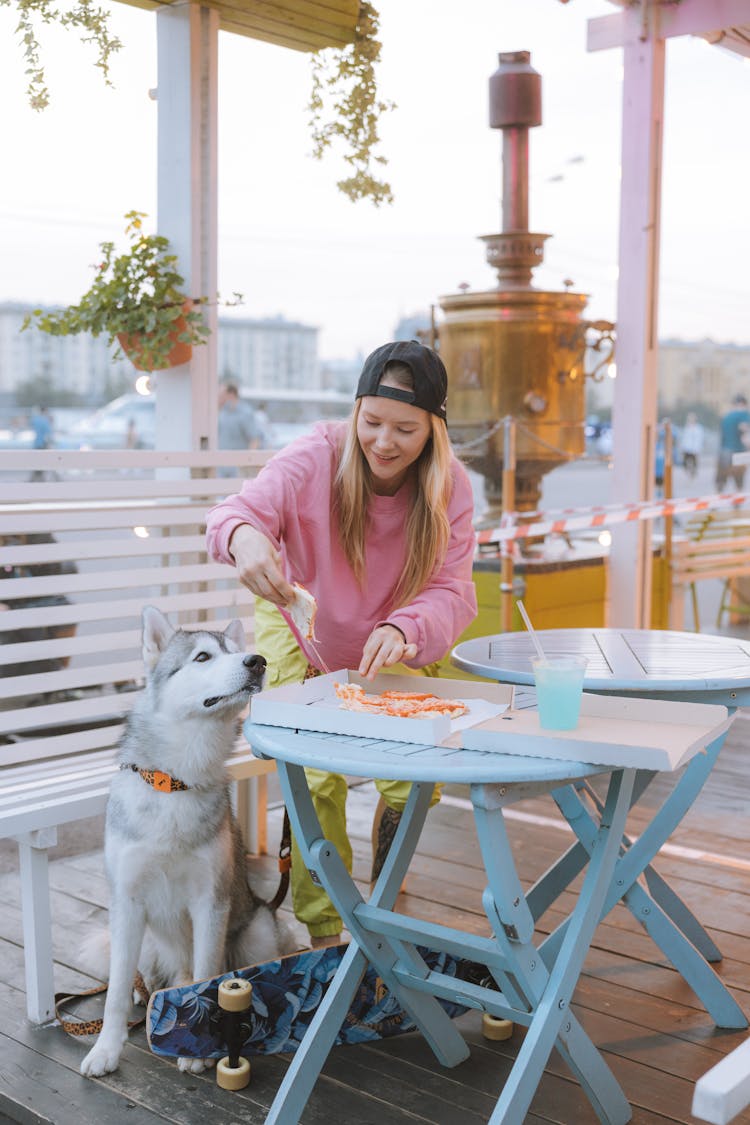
[(712, 545), (81, 552), (724, 1091)]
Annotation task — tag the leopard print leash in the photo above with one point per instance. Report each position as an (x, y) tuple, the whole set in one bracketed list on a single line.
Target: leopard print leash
[(78, 1027)]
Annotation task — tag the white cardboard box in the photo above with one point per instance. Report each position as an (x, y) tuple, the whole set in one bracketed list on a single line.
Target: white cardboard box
[(314, 705), (647, 734)]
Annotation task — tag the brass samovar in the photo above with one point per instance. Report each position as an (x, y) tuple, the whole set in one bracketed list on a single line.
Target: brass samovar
[(516, 351)]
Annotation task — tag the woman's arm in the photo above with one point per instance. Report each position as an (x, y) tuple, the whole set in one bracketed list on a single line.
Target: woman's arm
[(256, 528)]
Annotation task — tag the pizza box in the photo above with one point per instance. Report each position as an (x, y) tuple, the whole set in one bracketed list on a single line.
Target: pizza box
[(649, 734), (314, 706)]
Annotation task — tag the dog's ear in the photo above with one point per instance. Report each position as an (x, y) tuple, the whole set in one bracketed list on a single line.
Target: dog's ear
[(236, 632), (156, 634)]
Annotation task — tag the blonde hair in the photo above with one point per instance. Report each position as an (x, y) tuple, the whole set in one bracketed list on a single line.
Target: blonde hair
[(427, 526)]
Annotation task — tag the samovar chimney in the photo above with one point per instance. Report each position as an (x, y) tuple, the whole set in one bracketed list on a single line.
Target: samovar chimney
[(515, 107)]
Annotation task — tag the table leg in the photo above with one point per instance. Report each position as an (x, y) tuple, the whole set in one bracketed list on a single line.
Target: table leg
[(309, 1058), (561, 874), (664, 914), (326, 866), (571, 863), (550, 991), (683, 918), (383, 954), (660, 890)]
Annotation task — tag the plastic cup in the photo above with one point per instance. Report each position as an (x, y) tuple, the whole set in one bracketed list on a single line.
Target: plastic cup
[(559, 684)]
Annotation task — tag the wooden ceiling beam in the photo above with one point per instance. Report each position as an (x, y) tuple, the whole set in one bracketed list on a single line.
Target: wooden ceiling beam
[(302, 25), (666, 21)]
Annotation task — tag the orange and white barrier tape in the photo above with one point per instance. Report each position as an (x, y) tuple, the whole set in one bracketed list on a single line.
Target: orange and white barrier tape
[(579, 519)]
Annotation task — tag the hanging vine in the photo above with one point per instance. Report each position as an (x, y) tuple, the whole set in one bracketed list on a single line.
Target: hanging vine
[(92, 23), (344, 87), (346, 81)]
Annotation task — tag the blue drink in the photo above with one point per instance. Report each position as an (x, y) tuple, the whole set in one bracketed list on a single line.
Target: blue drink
[(559, 683)]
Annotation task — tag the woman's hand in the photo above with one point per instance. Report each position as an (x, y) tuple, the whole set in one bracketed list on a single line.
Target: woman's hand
[(384, 646), (259, 565)]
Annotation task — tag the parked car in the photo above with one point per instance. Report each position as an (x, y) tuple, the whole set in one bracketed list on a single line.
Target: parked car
[(16, 437), (107, 428), (128, 422), (598, 437)]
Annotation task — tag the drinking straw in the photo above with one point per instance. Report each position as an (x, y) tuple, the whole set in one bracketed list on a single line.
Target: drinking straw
[(532, 631)]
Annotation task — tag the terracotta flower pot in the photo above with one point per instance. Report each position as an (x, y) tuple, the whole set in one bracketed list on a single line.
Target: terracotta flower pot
[(136, 348)]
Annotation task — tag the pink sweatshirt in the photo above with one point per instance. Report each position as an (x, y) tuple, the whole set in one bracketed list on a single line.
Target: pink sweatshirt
[(290, 502)]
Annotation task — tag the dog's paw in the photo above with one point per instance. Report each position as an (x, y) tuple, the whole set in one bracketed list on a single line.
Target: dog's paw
[(195, 1066), (101, 1059)]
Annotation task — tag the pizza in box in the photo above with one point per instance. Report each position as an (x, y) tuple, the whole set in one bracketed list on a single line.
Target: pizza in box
[(401, 704)]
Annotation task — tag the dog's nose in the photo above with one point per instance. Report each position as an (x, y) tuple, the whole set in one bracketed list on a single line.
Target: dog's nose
[(256, 664)]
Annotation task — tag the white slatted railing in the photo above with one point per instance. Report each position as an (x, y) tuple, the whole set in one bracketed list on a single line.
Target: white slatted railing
[(81, 554)]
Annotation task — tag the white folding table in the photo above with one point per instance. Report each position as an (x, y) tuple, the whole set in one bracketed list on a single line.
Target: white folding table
[(534, 983)]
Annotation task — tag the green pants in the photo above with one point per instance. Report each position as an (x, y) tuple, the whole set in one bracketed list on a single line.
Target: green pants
[(288, 664)]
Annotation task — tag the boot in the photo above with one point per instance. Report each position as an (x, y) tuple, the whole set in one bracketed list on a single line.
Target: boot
[(385, 822), (325, 942)]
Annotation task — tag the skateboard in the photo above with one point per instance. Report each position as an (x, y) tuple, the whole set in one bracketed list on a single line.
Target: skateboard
[(273, 1015)]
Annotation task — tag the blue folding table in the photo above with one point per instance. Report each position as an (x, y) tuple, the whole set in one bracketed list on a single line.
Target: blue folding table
[(654, 664), (535, 983)]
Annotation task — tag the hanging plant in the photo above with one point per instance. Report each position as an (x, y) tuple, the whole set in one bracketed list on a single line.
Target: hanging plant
[(346, 81), (137, 299), (92, 24)]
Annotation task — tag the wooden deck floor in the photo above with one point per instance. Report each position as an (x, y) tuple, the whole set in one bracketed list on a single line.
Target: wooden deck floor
[(653, 1031)]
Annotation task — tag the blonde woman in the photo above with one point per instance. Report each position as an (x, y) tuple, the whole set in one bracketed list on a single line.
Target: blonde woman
[(374, 517)]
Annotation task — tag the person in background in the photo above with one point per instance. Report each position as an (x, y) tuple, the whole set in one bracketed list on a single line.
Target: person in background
[(374, 517), (732, 428), (132, 440), (691, 443), (238, 427), (660, 451), (261, 417), (41, 424)]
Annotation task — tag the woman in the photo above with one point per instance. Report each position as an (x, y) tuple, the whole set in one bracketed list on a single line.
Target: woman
[(374, 517)]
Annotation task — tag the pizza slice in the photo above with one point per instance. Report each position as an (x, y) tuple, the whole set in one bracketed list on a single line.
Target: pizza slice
[(303, 611)]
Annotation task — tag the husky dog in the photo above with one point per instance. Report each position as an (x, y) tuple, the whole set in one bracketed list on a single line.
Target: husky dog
[(181, 908)]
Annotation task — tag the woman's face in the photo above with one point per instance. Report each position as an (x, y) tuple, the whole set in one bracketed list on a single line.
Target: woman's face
[(392, 435)]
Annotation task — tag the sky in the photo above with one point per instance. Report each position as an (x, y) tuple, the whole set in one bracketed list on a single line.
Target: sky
[(296, 247)]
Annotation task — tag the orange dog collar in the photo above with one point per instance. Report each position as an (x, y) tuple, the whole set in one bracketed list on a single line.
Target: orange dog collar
[(162, 782)]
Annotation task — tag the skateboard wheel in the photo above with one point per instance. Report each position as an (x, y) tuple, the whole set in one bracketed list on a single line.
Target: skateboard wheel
[(235, 994), (232, 1077), (497, 1029)]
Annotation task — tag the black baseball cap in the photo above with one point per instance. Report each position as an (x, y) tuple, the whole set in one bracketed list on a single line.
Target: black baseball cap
[(430, 377)]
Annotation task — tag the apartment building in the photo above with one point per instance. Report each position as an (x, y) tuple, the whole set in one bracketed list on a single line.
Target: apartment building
[(272, 353)]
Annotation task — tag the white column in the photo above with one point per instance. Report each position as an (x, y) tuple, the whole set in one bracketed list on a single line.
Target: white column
[(187, 41), (634, 412)]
